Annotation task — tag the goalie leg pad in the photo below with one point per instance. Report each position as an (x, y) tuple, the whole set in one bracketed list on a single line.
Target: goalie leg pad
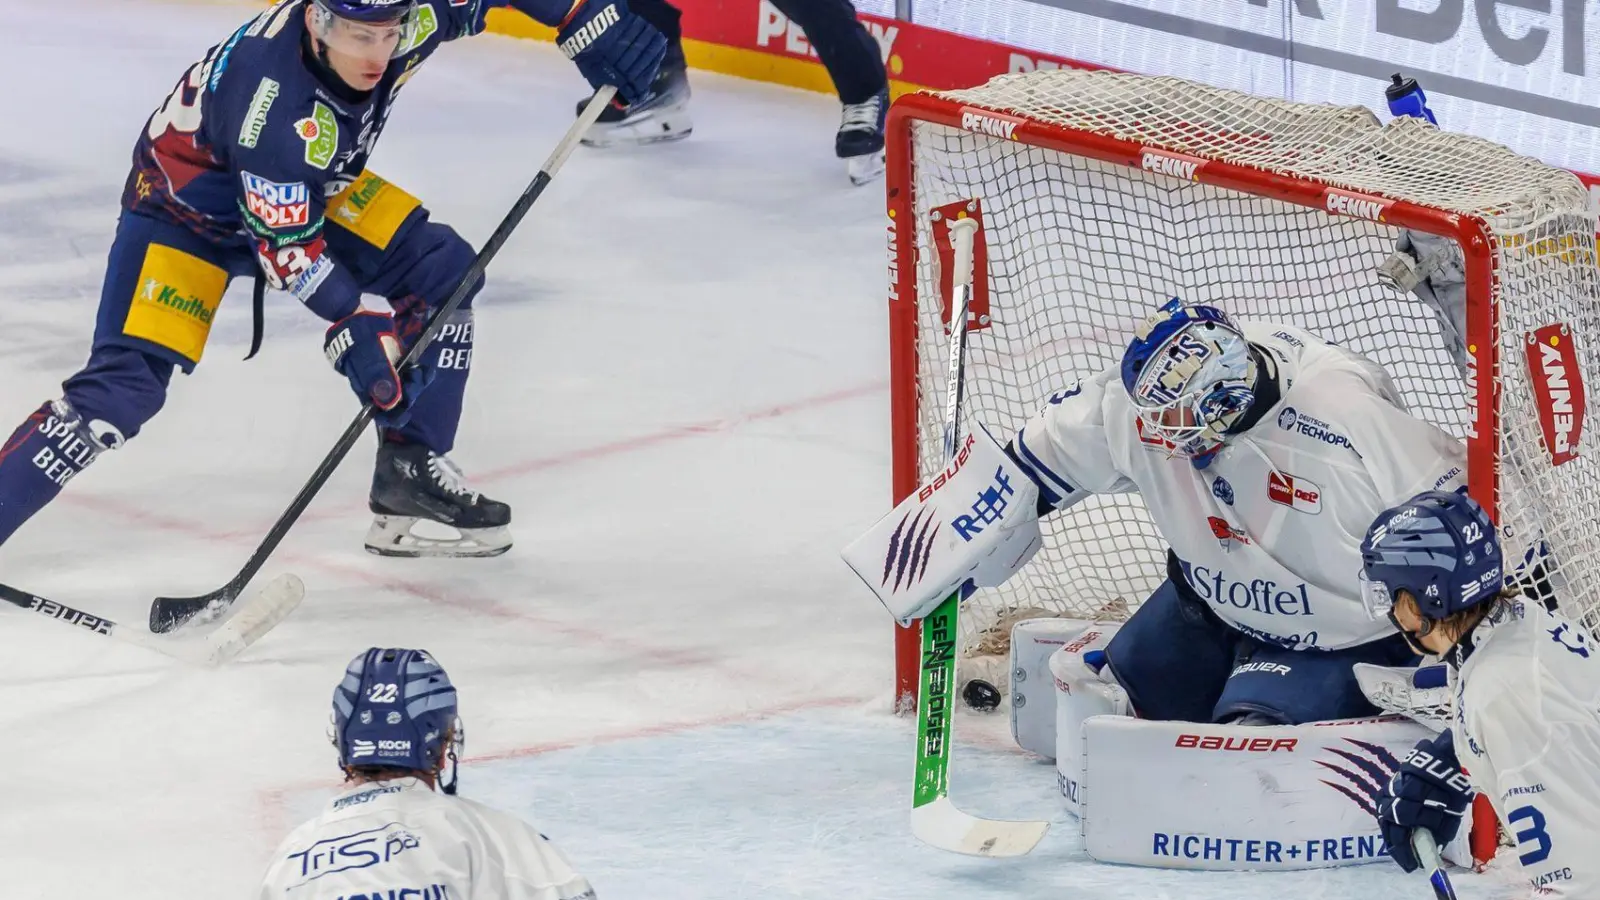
[(1083, 691), (1033, 700), (1172, 657), (1290, 687)]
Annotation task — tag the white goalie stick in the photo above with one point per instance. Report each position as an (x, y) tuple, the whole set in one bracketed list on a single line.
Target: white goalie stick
[(934, 819), (249, 619)]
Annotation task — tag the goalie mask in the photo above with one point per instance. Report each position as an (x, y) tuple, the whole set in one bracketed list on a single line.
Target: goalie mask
[(1191, 375)]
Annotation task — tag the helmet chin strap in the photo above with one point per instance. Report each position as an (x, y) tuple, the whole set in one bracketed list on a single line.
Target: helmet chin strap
[(1411, 638), (449, 787)]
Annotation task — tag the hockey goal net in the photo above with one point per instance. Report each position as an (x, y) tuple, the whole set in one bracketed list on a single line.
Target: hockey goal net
[(1100, 194)]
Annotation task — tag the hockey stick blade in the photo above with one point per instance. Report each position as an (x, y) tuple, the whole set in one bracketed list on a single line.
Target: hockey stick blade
[(258, 614), (941, 825), (252, 619), (167, 613), (1427, 851)]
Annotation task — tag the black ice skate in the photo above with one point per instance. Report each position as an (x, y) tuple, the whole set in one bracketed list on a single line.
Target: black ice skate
[(414, 486), (662, 117), (860, 139)]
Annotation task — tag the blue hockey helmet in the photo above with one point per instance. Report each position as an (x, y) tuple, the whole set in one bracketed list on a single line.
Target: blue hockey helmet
[(1190, 375), (1438, 546), (395, 708)]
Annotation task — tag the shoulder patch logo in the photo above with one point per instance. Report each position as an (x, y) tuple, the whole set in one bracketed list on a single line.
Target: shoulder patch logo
[(1298, 494), (1222, 490), (320, 131)]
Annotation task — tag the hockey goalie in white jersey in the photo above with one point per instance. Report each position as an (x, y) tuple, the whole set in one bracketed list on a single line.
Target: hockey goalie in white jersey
[(1526, 684), (391, 834), (1262, 453)]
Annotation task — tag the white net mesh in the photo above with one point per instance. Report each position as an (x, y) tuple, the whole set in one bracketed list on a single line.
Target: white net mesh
[(1080, 250)]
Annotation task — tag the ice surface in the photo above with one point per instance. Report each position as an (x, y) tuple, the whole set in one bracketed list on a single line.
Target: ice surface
[(680, 385)]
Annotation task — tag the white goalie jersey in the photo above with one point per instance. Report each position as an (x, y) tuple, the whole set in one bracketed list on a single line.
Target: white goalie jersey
[(1269, 533), (401, 839), (1527, 730)]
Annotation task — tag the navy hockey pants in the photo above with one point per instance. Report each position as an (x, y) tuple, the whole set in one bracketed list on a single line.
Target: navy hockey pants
[(1179, 662)]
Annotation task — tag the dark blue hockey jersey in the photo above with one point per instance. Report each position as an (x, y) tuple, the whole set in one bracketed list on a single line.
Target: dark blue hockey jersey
[(251, 145)]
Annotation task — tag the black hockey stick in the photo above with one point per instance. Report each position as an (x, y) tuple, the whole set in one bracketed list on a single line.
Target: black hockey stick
[(265, 609), (167, 613)]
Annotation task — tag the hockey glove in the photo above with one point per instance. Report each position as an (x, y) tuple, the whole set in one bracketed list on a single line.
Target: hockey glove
[(613, 46), (1428, 791), (363, 347)]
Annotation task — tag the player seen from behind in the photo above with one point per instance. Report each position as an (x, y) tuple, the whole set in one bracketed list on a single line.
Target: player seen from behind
[(255, 165), (1262, 453), (399, 829), (1526, 684)]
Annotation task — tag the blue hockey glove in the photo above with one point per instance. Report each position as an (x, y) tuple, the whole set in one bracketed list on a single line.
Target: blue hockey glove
[(363, 347), (613, 46), (1406, 98), (1428, 791)]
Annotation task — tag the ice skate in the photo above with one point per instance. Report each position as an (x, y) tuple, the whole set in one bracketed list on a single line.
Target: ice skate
[(422, 507), (664, 116), (860, 139)]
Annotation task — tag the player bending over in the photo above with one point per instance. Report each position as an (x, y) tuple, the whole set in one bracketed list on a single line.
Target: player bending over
[(255, 165), (1262, 454), (391, 833), (1527, 695)]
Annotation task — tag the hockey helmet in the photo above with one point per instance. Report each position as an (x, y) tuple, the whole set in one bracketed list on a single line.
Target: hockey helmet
[(1440, 547), (1190, 374), (395, 708), (366, 28)]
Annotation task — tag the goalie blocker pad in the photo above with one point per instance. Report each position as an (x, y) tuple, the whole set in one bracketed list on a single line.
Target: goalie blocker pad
[(976, 521), (1231, 797)]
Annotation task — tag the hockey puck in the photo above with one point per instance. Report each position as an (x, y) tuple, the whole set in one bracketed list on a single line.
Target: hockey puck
[(980, 695)]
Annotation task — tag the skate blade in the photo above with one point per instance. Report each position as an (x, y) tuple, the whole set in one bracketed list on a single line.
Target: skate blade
[(865, 169), (652, 127), (397, 536)]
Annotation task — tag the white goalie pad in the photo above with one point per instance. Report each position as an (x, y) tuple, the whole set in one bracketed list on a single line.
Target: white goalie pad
[(1033, 690), (976, 521), (1238, 797), (1082, 693)]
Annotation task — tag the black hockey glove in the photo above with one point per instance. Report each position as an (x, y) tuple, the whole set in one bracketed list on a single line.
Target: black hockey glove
[(1428, 791)]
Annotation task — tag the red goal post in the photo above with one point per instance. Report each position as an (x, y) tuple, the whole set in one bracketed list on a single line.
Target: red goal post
[(1075, 172)]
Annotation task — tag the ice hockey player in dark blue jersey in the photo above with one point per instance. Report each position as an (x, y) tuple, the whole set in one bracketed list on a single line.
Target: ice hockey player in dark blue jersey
[(255, 165)]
